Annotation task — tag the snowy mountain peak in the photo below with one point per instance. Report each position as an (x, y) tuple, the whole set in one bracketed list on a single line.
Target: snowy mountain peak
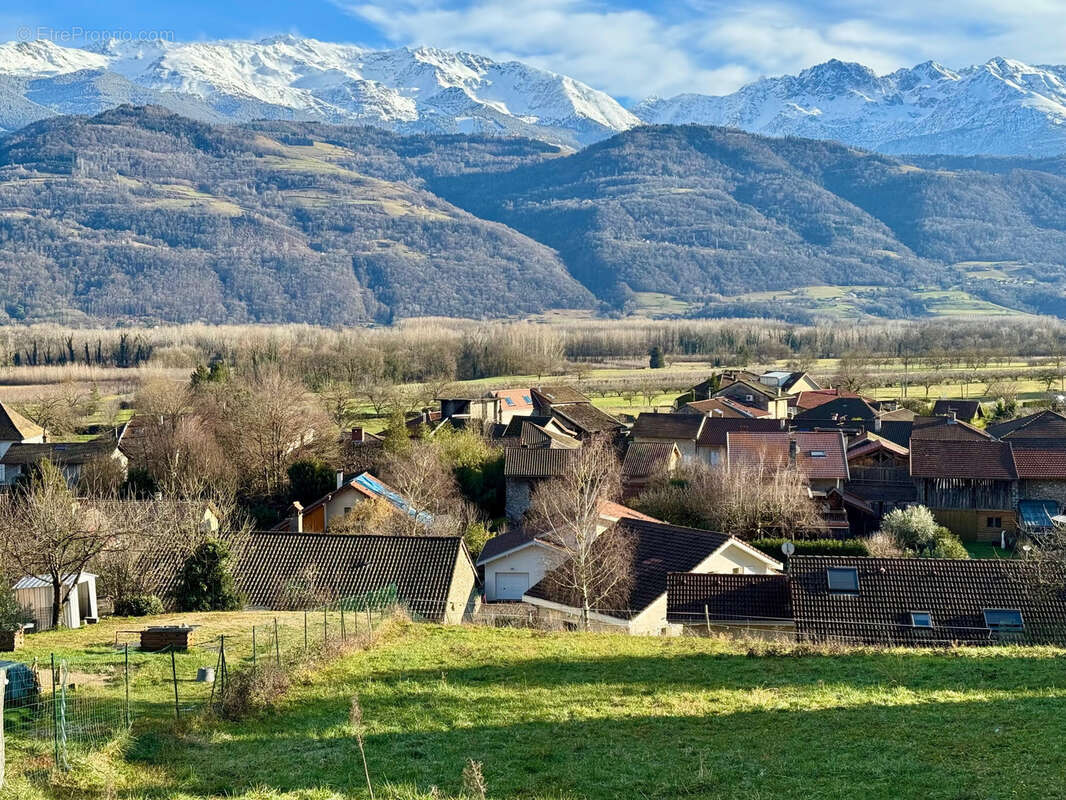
[(420, 89), (1002, 107)]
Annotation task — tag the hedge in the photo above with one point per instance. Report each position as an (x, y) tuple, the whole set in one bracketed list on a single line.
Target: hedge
[(814, 547)]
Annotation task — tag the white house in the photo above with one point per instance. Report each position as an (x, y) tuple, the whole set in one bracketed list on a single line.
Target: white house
[(35, 592), (658, 550)]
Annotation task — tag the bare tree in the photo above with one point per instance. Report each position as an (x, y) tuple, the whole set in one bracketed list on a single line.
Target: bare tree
[(597, 568), (46, 530)]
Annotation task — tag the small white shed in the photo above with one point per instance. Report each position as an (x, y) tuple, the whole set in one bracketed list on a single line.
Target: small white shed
[(35, 593)]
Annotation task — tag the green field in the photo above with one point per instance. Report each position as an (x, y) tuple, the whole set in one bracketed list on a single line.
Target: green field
[(570, 715)]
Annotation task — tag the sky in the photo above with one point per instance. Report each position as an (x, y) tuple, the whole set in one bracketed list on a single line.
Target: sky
[(630, 50)]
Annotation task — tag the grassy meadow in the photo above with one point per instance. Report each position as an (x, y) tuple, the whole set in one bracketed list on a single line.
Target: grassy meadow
[(572, 715)]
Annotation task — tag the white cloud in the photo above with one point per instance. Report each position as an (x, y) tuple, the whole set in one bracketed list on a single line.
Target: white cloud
[(715, 46)]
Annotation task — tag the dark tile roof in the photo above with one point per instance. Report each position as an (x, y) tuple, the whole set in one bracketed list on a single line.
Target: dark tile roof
[(658, 550), (60, 452), (421, 568), (677, 427), (16, 428), (963, 409), (984, 459), (849, 408), (832, 465), (898, 431), (504, 543), (693, 597), (1042, 425), (754, 386), (541, 462), (1038, 459), (586, 418), (538, 436), (645, 459), (954, 592), (551, 395), (792, 379), (714, 431), (945, 429), (513, 429)]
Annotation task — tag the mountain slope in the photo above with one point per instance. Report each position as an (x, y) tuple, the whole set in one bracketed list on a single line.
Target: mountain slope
[(138, 213), (285, 77), (702, 212), (1003, 107)]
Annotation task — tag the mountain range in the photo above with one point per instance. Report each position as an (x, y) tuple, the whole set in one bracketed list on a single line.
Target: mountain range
[(139, 213), (1002, 107)]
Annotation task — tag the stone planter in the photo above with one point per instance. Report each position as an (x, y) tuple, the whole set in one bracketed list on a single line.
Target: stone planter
[(11, 640)]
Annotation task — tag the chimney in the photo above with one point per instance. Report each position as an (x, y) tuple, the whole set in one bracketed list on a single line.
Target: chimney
[(297, 517), (357, 435), (792, 451), (340, 478), (952, 419)]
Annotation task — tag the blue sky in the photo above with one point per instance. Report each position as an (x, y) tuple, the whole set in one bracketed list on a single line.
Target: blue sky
[(629, 49)]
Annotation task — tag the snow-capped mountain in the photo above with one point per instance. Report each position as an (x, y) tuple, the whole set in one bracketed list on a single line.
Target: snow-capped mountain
[(1003, 107), (287, 77)]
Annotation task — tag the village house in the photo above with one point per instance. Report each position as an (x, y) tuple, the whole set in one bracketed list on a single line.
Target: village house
[(1038, 442), (658, 549), (965, 410), (330, 508), (71, 458), (757, 395), (722, 407), (518, 559), (524, 468), (646, 461), (879, 473), (432, 577), (682, 430), (880, 601), (574, 411), (711, 445), (971, 486)]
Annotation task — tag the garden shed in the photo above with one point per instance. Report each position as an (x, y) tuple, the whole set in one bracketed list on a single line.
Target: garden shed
[(35, 593)]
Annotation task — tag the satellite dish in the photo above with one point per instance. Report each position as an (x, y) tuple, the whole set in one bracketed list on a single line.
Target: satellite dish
[(788, 548)]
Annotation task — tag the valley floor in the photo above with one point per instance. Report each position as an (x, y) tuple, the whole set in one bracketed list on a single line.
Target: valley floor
[(573, 715)]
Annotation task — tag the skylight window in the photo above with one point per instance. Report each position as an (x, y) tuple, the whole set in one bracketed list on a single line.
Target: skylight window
[(817, 453), (527, 399), (921, 619), (843, 580), (1004, 619), (509, 401)]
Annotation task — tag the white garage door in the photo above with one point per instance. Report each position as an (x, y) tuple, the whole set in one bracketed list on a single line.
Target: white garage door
[(511, 585)]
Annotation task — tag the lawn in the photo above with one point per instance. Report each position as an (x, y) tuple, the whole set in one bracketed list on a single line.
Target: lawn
[(602, 716)]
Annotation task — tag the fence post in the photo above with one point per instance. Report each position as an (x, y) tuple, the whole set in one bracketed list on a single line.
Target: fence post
[(126, 671), (325, 626), (222, 671), (342, 621), (305, 632), (174, 674), (3, 691), (63, 678), (707, 618), (277, 644), (369, 625), (55, 714), (255, 663)]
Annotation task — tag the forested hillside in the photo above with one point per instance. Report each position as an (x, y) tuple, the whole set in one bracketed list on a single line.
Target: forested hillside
[(138, 213)]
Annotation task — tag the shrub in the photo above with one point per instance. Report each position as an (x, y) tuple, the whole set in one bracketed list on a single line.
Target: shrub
[(205, 582), (310, 480), (475, 537), (814, 547), (252, 690), (916, 533), (12, 615), (138, 605)]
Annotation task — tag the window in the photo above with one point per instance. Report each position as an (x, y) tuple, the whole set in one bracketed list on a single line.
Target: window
[(509, 401), (347, 510), (843, 580), (993, 522), (527, 399), (1004, 619), (817, 453), (921, 619)]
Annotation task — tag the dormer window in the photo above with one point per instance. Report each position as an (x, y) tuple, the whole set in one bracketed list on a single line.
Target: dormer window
[(921, 619), (843, 580)]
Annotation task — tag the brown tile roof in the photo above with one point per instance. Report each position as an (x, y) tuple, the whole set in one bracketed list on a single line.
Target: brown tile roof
[(552, 395), (963, 409), (675, 427), (586, 418), (1040, 458), (60, 452), (715, 430), (767, 450), (725, 408), (658, 550), (984, 459), (1042, 425), (421, 568), (525, 462), (832, 465), (616, 511), (870, 442), (692, 597), (945, 429), (954, 592), (16, 428), (645, 459), (805, 401), (518, 401)]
